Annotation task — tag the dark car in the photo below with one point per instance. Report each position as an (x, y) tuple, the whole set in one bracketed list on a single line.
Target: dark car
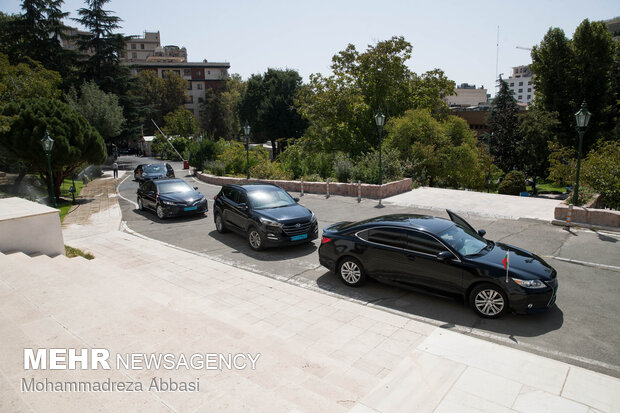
[(266, 214), (146, 172), (442, 256), (170, 197)]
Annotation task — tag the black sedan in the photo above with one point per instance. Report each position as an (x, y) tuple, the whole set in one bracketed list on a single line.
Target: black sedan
[(153, 171), (442, 256), (266, 214), (170, 197)]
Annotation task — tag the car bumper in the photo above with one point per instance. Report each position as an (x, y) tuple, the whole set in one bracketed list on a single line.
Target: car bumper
[(280, 239), (533, 301), (174, 210)]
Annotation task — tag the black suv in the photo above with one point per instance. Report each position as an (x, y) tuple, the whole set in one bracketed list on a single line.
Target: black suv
[(266, 214)]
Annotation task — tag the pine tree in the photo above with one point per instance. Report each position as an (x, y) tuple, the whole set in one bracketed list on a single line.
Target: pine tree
[(504, 129)]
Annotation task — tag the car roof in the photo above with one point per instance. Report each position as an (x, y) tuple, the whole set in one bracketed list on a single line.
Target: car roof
[(255, 187), (427, 223), (162, 180)]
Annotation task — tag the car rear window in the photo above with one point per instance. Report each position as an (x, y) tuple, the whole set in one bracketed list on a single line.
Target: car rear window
[(155, 169)]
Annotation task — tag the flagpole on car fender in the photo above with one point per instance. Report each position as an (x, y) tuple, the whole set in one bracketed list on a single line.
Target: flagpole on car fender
[(507, 264)]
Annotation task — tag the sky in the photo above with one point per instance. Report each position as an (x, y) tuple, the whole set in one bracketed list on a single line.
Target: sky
[(459, 37)]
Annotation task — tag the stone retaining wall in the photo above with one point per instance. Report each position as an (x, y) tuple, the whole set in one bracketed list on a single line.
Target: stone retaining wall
[(335, 188), (590, 216)]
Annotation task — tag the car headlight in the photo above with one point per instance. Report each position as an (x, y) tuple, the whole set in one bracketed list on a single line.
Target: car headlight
[(530, 283), (266, 221), (313, 218), (173, 203)]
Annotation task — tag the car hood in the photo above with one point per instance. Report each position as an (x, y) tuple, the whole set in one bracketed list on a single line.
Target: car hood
[(291, 213), (181, 196), (523, 264)]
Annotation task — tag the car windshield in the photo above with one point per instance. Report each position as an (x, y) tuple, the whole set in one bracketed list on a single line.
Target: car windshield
[(463, 240), (155, 169), (173, 187), (262, 199)]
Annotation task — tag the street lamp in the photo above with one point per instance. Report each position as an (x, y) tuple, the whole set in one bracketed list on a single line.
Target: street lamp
[(379, 120), (246, 131), (48, 144), (582, 117)]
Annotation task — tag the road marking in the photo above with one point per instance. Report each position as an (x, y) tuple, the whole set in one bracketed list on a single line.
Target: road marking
[(119, 194), (585, 263)]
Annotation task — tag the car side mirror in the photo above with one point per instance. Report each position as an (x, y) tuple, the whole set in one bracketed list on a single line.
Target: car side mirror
[(195, 188), (445, 256), (481, 232), (296, 199)]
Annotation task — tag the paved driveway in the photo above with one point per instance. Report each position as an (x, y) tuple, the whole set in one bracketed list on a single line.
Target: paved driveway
[(581, 329)]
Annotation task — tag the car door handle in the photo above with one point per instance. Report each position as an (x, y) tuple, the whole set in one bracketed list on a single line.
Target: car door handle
[(410, 257)]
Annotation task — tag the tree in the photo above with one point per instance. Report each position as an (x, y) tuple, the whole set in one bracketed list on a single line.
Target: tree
[(536, 130), (504, 129), (215, 116), (103, 47), (181, 122), (76, 143), (601, 170), (164, 95), (268, 105), (441, 153), (101, 109), (567, 72), (429, 90)]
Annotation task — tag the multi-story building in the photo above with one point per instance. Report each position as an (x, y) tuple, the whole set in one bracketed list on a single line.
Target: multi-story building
[(613, 25), (466, 96), (521, 84), (199, 75)]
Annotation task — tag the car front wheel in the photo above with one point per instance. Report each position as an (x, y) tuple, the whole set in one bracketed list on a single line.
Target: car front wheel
[(488, 301), (161, 214), (255, 239), (351, 272)]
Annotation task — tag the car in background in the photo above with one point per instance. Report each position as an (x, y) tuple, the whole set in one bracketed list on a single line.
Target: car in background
[(170, 197), (145, 172), (265, 214), (441, 256)]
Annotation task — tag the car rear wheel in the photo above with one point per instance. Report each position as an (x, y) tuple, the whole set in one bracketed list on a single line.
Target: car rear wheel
[(219, 223), (351, 272), (488, 301), (140, 206), (161, 214), (255, 239)]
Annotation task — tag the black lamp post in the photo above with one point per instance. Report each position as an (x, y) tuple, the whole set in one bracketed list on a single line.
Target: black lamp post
[(246, 131), (48, 144), (582, 117), (379, 120)]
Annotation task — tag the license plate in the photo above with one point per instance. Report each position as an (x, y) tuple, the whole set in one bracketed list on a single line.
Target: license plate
[(191, 208), (298, 237)]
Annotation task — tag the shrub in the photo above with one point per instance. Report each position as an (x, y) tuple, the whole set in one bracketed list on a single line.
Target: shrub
[(513, 183), (214, 168), (270, 170), (601, 170), (367, 167), (313, 178), (586, 194), (343, 167), (200, 152)]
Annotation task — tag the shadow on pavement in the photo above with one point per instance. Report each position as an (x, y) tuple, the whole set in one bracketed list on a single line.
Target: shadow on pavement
[(240, 245), (449, 311)]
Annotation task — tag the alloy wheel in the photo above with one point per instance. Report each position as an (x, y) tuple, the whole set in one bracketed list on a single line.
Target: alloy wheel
[(256, 241), (160, 212), (489, 302), (350, 272)]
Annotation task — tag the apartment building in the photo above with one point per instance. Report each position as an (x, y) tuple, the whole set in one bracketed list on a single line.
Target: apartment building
[(467, 95), (521, 84)]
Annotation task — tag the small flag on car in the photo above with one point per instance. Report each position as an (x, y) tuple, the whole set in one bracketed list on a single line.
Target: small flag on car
[(506, 262)]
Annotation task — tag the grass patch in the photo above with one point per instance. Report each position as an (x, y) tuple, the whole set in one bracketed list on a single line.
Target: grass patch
[(548, 187), (65, 203), (76, 252)]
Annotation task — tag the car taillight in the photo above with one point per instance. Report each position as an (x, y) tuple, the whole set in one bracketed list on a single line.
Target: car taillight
[(215, 198), (325, 240)]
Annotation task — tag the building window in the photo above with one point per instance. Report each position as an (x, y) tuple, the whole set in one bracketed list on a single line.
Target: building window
[(187, 72), (133, 46), (512, 84), (520, 90), (189, 85), (199, 86), (520, 97), (189, 99), (208, 72), (200, 100), (134, 55), (529, 89), (529, 97), (142, 46), (520, 83)]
